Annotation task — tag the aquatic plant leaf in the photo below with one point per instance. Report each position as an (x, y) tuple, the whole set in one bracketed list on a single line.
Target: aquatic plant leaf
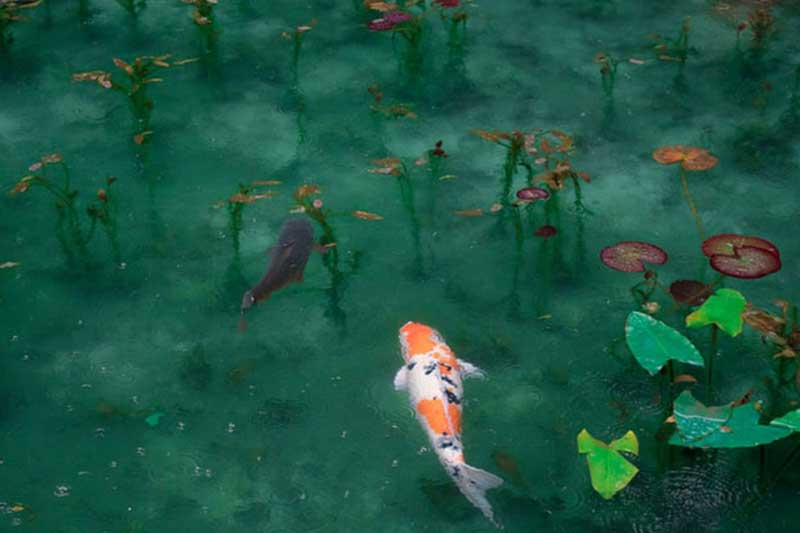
[(722, 426), (533, 194), (653, 343), (762, 321), (689, 291), (790, 420), (630, 256), (153, 419), (727, 243), (492, 136), (364, 215), (545, 232), (609, 470), (696, 421), (748, 262), (470, 213), (690, 157), (723, 308), (22, 185)]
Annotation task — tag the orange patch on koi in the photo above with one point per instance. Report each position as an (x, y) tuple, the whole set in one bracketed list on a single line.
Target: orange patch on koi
[(433, 413), (455, 417)]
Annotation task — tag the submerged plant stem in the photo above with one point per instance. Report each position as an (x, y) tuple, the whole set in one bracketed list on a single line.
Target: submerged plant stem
[(692, 206), (710, 363)]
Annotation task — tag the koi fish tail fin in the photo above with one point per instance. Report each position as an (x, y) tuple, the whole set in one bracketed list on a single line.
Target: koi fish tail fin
[(473, 483)]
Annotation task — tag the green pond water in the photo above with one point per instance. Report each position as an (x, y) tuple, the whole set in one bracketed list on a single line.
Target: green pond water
[(294, 425)]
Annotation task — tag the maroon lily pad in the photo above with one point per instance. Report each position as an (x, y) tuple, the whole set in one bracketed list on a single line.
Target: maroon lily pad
[(689, 291), (533, 194), (749, 262), (727, 243), (630, 256), (545, 232)]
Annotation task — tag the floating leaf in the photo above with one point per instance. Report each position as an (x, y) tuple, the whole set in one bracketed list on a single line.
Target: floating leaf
[(609, 470), (364, 215), (653, 343), (720, 426), (723, 308), (631, 256), (727, 243), (748, 262), (689, 291), (690, 157), (696, 421), (790, 420)]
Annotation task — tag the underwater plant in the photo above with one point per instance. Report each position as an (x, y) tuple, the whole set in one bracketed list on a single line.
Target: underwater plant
[(203, 14), (762, 24), (675, 49), (395, 110), (134, 7), (610, 472), (297, 36), (139, 74), (70, 231), (608, 72), (9, 14), (690, 158), (237, 203)]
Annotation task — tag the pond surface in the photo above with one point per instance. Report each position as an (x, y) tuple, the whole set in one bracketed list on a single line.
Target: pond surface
[(129, 401)]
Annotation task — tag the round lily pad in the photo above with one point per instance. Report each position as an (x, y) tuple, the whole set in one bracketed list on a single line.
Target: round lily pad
[(727, 243), (690, 157), (748, 263), (630, 256), (533, 193), (689, 291)]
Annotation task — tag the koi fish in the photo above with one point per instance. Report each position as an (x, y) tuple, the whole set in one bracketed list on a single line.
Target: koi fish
[(287, 264), (432, 376)]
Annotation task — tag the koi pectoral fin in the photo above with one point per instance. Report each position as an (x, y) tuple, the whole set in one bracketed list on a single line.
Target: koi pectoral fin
[(468, 370), (401, 379)]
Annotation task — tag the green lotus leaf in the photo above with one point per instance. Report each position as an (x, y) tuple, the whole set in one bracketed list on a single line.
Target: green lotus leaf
[(723, 308), (720, 426), (653, 343), (609, 470)]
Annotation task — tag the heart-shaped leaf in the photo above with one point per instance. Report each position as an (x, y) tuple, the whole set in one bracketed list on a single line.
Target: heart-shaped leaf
[(653, 343), (720, 426), (609, 470), (723, 308)]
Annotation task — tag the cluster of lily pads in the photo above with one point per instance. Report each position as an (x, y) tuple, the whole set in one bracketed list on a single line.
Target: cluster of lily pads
[(658, 348)]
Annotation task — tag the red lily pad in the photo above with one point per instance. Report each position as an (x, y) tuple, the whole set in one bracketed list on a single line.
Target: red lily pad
[(631, 256), (689, 291), (533, 194), (545, 232), (727, 243), (749, 262)]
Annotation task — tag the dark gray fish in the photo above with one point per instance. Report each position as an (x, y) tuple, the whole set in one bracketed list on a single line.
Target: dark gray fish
[(288, 260)]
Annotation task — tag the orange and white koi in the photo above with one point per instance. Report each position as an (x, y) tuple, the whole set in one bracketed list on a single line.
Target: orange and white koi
[(432, 376)]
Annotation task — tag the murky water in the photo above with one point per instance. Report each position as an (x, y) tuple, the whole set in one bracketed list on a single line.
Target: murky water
[(294, 425)]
